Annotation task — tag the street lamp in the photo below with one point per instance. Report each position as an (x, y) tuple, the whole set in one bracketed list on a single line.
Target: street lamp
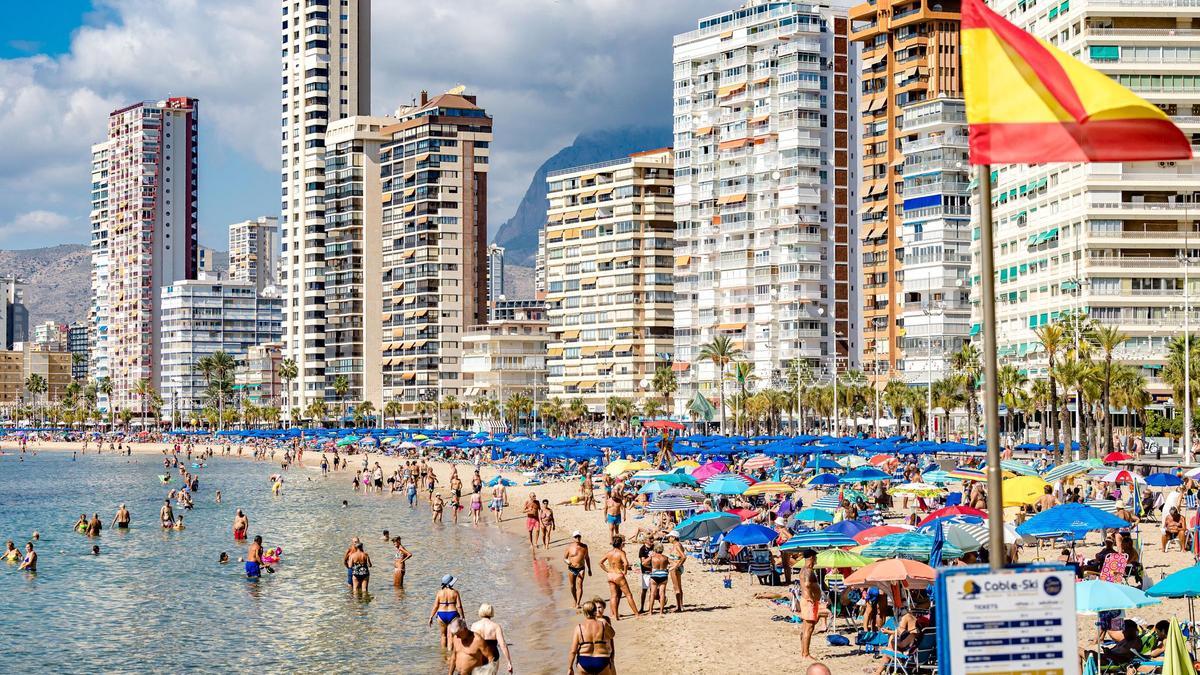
[(1185, 259), (930, 310)]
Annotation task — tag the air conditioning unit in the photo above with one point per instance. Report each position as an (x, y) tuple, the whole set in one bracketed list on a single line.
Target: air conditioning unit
[(1165, 164)]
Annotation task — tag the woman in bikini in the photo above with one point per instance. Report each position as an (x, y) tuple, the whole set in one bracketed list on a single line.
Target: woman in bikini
[(677, 556), (616, 565), (593, 648), (658, 579), (402, 555), (447, 605), (476, 507)]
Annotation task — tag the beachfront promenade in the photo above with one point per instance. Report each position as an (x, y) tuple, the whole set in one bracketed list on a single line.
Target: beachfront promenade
[(855, 504)]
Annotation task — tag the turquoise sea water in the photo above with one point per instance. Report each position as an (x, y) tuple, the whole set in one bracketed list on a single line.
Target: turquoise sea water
[(159, 601)]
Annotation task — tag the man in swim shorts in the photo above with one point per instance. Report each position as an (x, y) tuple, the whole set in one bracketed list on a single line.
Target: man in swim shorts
[(532, 522), (612, 515), (166, 515), (469, 653), (578, 561), (254, 559), (241, 525), (121, 520)]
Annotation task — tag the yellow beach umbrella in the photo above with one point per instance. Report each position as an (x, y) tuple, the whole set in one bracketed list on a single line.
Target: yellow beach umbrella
[(687, 464), (1175, 658), (617, 467), (1022, 490), (639, 466), (769, 487)]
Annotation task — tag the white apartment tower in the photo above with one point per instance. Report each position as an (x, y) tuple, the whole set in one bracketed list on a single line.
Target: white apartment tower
[(98, 311), (149, 221), (326, 77), (1105, 239), (254, 252), (765, 102)]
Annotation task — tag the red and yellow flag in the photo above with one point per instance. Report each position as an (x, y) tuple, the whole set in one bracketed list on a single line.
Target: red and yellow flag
[(1028, 103)]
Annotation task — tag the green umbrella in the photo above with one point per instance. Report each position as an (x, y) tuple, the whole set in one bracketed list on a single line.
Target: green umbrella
[(836, 557), (702, 407), (1175, 658)]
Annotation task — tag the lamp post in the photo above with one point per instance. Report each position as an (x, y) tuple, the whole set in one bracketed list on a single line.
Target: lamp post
[(930, 310), (1185, 259)]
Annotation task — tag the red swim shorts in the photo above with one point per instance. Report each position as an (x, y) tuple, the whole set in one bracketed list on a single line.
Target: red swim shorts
[(531, 524)]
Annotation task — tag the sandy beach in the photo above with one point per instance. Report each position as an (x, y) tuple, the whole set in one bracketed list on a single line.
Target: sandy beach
[(720, 626)]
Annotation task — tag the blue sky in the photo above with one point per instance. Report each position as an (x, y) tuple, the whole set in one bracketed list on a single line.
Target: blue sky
[(555, 69)]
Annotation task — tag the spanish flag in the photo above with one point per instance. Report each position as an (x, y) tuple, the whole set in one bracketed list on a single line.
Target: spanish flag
[(1028, 103)]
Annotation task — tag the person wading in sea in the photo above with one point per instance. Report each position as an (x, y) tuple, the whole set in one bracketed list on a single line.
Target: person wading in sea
[(578, 560), (447, 605), (254, 559), (121, 520), (493, 635), (469, 653), (402, 556), (241, 526), (360, 569)]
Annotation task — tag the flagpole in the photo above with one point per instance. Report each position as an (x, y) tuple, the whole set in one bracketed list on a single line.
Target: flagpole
[(991, 411)]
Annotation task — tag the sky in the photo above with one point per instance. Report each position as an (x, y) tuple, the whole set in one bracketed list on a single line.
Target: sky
[(545, 70)]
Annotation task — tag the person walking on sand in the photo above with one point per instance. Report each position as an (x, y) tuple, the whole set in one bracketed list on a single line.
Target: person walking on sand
[(476, 507), (447, 605), (612, 514), (121, 520), (493, 634), (402, 556), (545, 522), (593, 648), (241, 526), (469, 653), (499, 501), (578, 560), (616, 565), (254, 559), (809, 607), (360, 569), (532, 509)]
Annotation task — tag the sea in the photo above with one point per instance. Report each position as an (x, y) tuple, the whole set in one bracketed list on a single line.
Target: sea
[(156, 600)]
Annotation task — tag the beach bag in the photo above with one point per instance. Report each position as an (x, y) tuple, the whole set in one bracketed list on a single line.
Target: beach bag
[(838, 640)]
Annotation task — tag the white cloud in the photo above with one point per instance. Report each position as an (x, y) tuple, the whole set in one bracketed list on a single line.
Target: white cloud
[(545, 71), (32, 225)]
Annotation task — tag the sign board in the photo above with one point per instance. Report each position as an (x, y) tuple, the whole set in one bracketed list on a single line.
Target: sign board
[(1018, 621)]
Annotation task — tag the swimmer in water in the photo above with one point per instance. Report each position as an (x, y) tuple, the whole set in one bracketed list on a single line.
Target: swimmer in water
[(95, 549), (254, 559), (402, 555), (223, 558), (121, 520), (29, 563), (218, 496), (241, 525), (166, 515), (178, 524), (11, 553)]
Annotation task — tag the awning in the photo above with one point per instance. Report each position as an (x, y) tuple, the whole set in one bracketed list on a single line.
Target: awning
[(680, 366), (570, 335), (702, 131), (554, 236), (591, 351), (733, 145), (586, 178), (420, 313), (554, 218), (731, 326), (625, 330), (732, 199), (587, 384), (406, 345), (589, 281), (622, 259), (420, 343), (554, 351), (682, 260), (730, 89), (408, 254), (762, 80), (587, 213), (408, 376), (623, 349), (760, 119)]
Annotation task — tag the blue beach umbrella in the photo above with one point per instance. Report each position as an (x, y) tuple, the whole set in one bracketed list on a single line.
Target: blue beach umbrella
[(686, 493), (1095, 596), (817, 540), (939, 544), (848, 527), (704, 525), (1182, 584), (751, 534), (678, 479), (725, 485), (822, 463), (654, 486), (499, 480), (814, 515), (1163, 480), (1069, 519), (865, 474), (823, 479)]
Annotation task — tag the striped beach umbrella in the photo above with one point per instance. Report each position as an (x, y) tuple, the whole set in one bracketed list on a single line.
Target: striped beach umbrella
[(874, 534), (686, 493), (818, 540), (725, 485), (1071, 469), (909, 545), (769, 487), (963, 473), (836, 558), (1019, 468), (829, 502), (917, 490), (938, 477), (671, 504), (758, 462)]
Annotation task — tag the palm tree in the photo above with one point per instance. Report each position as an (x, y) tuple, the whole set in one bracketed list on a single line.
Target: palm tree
[(517, 406), (364, 410), (949, 393), (341, 387), (1039, 399), (1129, 390), (552, 411), (966, 363), (392, 410), (1051, 337), (895, 397), (36, 385), (743, 375), (578, 411), (270, 415), (1108, 339), (665, 384), (450, 403), (144, 391), (1174, 371), (721, 352), (1073, 373), (126, 416), (1010, 385), (652, 408), (317, 411), (619, 410), (288, 371)]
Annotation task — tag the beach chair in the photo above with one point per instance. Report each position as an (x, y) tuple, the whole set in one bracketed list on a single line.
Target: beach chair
[(762, 566), (872, 641), (1114, 568), (917, 659)]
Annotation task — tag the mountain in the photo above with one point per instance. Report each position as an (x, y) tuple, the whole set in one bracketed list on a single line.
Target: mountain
[(57, 281), (519, 234)]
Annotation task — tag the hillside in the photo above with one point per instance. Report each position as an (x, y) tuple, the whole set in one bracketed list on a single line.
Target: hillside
[(518, 235), (57, 281)]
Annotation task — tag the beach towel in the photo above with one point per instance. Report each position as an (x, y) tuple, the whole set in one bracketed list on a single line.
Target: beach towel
[(1113, 568)]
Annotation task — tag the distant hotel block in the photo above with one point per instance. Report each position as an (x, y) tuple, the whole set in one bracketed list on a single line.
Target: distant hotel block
[(609, 244), (254, 252)]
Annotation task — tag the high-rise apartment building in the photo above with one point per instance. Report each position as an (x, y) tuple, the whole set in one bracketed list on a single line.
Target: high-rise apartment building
[(910, 53), (14, 317), (609, 259), (50, 335), (495, 273), (257, 377), (435, 175), (211, 263), (1105, 239), (77, 344), (504, 358), (98, 310), (150, 224), (936, 239), (200, 318), (765, 105), (326, 65), (354, 256), (254, 252)]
